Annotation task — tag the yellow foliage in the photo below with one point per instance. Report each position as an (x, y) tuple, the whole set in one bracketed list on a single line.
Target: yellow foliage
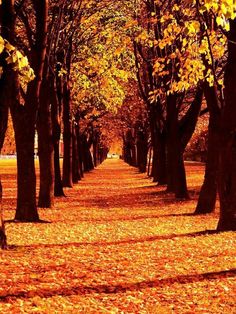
[(18, 61), (2, 44), (189, 49)]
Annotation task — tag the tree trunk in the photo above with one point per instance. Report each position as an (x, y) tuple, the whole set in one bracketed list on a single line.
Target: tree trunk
[(207, 197), (67, 139), (75, 157), (3, 238), (80, 153), (7, 92), (132, 147), (227, 160), (142, 150), (150, 155), (45, 148), (67, 121), (24, 126), (161, 176), (154, 172), (127, 152), (181, 190), (58, 186), (159, 150), (172, 130), (24, 117), (88, 156), (56, 135), (178, 135), (176, 180)]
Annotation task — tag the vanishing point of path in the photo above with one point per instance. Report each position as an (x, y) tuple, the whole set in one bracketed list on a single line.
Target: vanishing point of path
[(117, 244)]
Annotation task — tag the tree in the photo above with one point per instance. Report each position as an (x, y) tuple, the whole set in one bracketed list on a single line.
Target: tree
[(14, 70), (214, 61), (227, 166), (24, 117), (162, 62)]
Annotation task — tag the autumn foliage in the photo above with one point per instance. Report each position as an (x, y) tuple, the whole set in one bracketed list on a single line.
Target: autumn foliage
[(123, 247), (151, 82)]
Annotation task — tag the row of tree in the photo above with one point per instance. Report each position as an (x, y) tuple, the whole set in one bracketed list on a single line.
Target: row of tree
[(60, 74), (183, 51), (82, 68)]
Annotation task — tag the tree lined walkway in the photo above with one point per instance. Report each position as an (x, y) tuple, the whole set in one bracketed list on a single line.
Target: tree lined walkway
[(117, 244)]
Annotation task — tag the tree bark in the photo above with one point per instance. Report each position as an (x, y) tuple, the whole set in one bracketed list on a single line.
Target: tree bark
[(80, 153), (3, 238), (87, 156), (57, 105), (6, 94), (161, 175), (178, 135), (75, 156), (174, 154), (67, 139), (24, 121), (227, 160), (26, 179), (133, 152), (56, 136), (142, 149), (67, 122), (95, 142), (158, 140), (150, 156), (45, 147), (207, 197), (24, 117)]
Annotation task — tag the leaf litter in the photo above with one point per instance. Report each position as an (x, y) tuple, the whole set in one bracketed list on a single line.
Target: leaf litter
[(117, 244)]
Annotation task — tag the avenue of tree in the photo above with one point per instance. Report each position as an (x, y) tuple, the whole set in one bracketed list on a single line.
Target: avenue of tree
[(140, 71)]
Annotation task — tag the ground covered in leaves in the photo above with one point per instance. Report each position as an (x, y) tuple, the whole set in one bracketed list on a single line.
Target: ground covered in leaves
[(117, 244)]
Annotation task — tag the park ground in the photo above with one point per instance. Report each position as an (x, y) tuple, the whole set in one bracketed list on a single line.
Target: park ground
[(117, 244)]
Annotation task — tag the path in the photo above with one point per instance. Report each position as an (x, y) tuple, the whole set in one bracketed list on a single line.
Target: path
[(118, 244)]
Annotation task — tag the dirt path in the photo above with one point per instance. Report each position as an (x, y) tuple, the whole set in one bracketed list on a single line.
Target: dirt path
[(117, 244)]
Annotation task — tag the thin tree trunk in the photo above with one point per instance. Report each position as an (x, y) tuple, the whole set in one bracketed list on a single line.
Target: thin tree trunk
[(3, 238), (75, 157), (157, 149), (67, 123), (45, 148), (161, 175), (87, 157), (80, 153), (95, 151), (154, 172), (142, 150), (150, 153), (6, 94), (58, 186), (67, 139), (56, 135)]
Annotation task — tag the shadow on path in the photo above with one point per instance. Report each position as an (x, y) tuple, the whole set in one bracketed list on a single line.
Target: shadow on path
[(119, 288), (125, 241)]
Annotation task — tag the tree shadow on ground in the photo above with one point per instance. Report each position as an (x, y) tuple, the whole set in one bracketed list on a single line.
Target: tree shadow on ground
[(121, 287), (125, 241), (135, 218), (40, 221), (130, 199)]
